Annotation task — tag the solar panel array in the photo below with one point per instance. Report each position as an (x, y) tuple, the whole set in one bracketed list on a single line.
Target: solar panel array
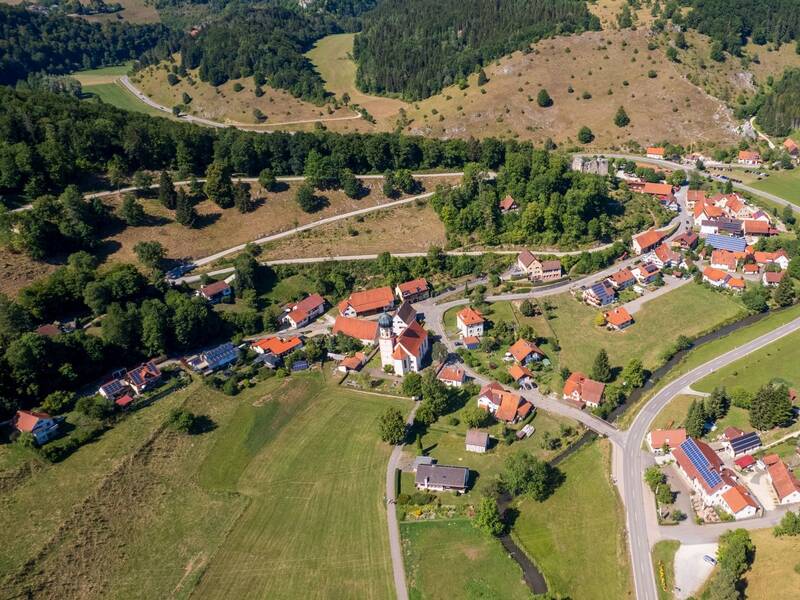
[(701, 463), (226, 351), (745, 442), (724, 242)]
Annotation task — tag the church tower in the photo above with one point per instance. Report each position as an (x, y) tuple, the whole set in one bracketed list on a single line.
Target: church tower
[(386, 339)]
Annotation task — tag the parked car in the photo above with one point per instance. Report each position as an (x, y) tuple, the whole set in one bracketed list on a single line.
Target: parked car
[(710, 559)]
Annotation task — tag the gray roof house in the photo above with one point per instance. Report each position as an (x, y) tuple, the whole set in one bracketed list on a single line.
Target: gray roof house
[(477, 441), (438, 478)]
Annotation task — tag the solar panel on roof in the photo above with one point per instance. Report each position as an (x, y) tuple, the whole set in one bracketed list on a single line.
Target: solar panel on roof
[(724, 242), (701, 463), (745, 442)]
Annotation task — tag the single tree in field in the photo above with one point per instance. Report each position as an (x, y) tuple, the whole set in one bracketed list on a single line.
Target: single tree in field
[(150, 254), (267, 179), (601, 369), (350, 184), (166, 190), (219, 187), (242, 198), (487, 517), (306, 198), (132, 212), (543, 99), (184, 210), (621, 119), (482, 79), (784, 294), (633, 374), (392, 426), (585, 135)]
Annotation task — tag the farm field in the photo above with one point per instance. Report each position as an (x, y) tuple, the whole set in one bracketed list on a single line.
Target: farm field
[(220, 229), (452, 559), (409, 228), (101, 75), (576, 537), (778, 362), (653, 330), (128, 496), (133, 11), (116, 95), (785, 184), (774, 573)]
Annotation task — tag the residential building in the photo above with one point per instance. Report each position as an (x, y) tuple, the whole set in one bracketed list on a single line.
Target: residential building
[(305, 311), (754, 230), (584, 391), (43, 427), (618, 318), (751, 159), (659, 439), (656, 152), (646, 273), (405, 316), (724, 260), (452, 376), (785, 484), (215, 292), (521, 375), (726, 242), (414, 290), (622, 279), (214, 359), (405, 352), (113, 389), (705, 211), (277, 346), (791, 147), (644, 242), (664, 256), (364, 331), (739, 502), (477, 441), (778, 257), (367, 302), (693, 197), (144, 377), (538, 270), (470, 322), (352, 363), (703, 468), (525, 352), (505, 406), (744, 443), (722, 279), (750, 269), (772, 278), (660, 190), (600, 294), (438, 478), (508, 204)]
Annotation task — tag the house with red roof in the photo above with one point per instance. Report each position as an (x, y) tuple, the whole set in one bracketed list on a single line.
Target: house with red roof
[(352, 363), (772, 278), (618, 318), (779, 257), (144, 377), (42, 426), (754, 230), (277, 346), (724, 260), (414, 290), (538, 270), (685, 241), (367, 302), (646, 273), (305, 311), (664, 256), (693, 197), (722, 279), (504, 405), (662, 191), (660, 439), (362, 330), (739, 502), (410, 349), (622, 279), (215, 292), (521, 375), (525, 352), (784, 483), (706, 212), (656, 152), (583, 391), (508, 204), (452, 376), (791, 147), (644, 242), (749, 158), (470, 322)]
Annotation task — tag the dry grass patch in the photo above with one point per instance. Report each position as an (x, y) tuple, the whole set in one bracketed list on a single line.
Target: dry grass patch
[(19, 270), (133, 11), (776, 570)]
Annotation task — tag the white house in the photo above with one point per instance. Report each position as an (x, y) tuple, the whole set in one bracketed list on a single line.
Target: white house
[(784, 483), (302, 313), (658, 439), (470, 322), (452, 376), (406, 352), (42, 426)]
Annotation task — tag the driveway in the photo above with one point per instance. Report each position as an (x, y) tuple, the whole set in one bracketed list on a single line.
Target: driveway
[(691, 571)]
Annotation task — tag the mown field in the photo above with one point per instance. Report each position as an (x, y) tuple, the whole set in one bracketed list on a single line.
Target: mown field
[(249, 509), (576, 537), (116, 95), (775, 572), (452, 559), (785, 184)]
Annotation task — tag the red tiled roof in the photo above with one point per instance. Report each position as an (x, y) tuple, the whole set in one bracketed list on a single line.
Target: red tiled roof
[(521, 349), (714, 274), (648, 239), (752, 226), (360, 329), (657, 189), (518, 372), (508, 203), (736, 282), (655, 150), (618, 317), (774, 277), (783, 480), (368, 300), (452, 373), (738, 498), (412, 340), (470, 316), (767, 257), (673, 437), (696, 196), (790, 145), (526, 257), (622, 276), (26, 420), (353, 363), (278, 346), (732, 433), (509, 406), (471, 340), (212, 289), (748, 155), (745, 461), (415, 286), (123, 401), (724, 257), (588, 389), (666, 255)]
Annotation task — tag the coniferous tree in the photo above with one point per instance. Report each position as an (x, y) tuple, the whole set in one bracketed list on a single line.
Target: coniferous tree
[(219, 187), (166, 190), (784, 294), (543, 99), (695, 420), (621, 119), (601, 370), (185, 213)]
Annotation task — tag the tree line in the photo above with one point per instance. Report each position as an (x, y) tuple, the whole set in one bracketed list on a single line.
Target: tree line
[(34, 42), (400, 51)]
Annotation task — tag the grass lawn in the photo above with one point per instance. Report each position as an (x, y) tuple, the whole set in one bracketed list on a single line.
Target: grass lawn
[(702, 354), (269, 495), (101, 75), (452, 559), (446, 444), (786, 450), (656, 326), (576, 537), (664, 554), (785, 184), (116, 95), (774, 573), (779, 361)]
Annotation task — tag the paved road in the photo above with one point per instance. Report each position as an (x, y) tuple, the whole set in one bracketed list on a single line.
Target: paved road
[(395, 546), (636, 499), (142, 97)]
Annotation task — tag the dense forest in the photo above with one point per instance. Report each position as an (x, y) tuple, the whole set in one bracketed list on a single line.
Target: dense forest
[(265, 43), (558, 206), (779, 112), (32, 42), (416, 47), (48, 141), (731, 22)]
